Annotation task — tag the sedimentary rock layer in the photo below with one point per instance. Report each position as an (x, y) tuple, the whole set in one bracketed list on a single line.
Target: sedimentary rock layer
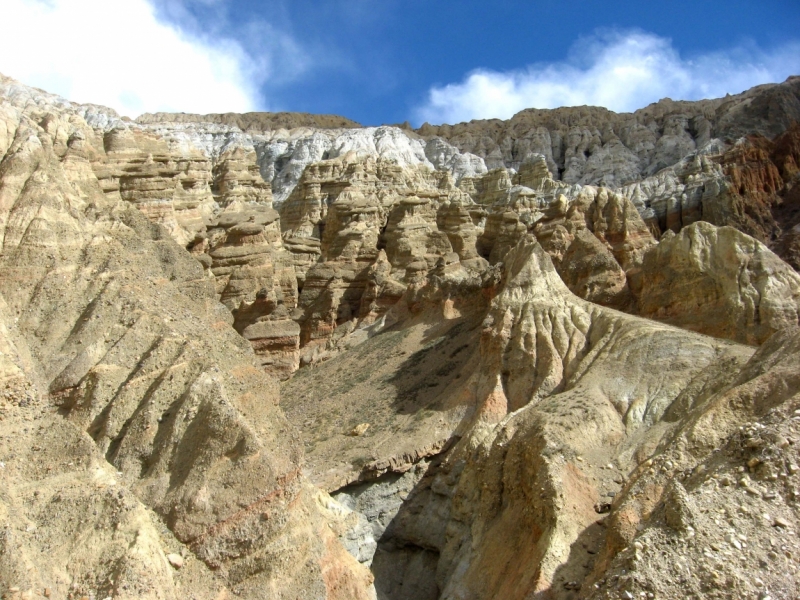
[(147, 430), (593, 145), (534, 379)]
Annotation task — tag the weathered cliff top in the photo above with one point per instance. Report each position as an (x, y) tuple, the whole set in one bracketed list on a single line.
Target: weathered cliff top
[(761, 104), (254, 122)]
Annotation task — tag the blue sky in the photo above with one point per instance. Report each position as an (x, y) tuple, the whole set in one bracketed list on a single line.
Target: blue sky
[(387, 61)]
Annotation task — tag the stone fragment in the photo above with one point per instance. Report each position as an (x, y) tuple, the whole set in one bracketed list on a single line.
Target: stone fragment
[(678, 509), (781, 522), (359, 430), (176, 560)]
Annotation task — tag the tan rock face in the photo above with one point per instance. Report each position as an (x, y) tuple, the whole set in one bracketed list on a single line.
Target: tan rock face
[(597, 269), (344, 211), (254, 121), (268, 325), (720, 282), (183, 189), (487, 426), (595, 236), (237, 178), (513, 508), (247, 255), (129, 362), (545, 432), (590, 271), (413, 240), (371, 227), (255, 279), (171, 188)]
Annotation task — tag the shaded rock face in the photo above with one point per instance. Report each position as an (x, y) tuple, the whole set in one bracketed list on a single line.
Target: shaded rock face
[(747, 186), (764, 200)]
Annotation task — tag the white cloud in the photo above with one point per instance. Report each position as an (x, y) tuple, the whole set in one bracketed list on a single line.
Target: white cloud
[(622, 71), (119, 53)]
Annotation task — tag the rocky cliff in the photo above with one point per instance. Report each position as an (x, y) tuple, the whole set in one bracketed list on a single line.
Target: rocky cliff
[(143, 453), (554, 357), (594, 145)]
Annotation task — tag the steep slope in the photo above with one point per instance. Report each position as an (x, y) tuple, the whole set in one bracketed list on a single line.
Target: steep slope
[(128, 375), (457, 374), (510, 477), (719, 281), (714, 513), (529, 491)]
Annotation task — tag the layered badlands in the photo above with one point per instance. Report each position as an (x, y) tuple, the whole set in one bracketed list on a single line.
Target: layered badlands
[(285, 356)]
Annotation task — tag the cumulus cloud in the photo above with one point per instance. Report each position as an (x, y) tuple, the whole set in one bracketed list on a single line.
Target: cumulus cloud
[(622, 71), (124, 54)]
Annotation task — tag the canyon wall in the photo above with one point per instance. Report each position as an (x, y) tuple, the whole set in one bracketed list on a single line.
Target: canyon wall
[(523, 359)]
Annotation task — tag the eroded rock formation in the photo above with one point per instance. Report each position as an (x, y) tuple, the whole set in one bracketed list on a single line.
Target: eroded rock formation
[(721, 282), (593, 145), (560, 476), (136, 428), (544, 378)]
